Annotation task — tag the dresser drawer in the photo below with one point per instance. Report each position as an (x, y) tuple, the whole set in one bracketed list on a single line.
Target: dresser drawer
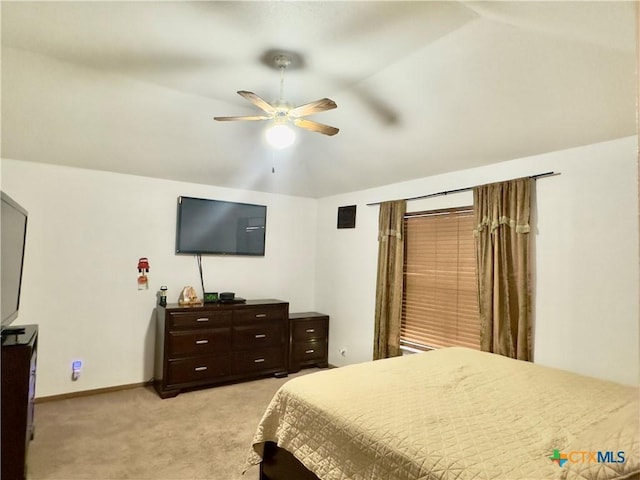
[(181, 343), (214, 344), (189, 370), (199, 319), (257, 360), (253, 314), (258, 335), (308, 351), (302, 330)]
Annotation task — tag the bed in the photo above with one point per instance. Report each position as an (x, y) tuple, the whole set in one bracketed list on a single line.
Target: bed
[(449, 414)]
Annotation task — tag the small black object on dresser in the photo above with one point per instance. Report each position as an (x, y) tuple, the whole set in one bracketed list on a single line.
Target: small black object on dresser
[(309, 340), (213, 344), (19, 352)]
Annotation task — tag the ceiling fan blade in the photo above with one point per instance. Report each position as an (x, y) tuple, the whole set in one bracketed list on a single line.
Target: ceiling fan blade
[(315, 126), (314, 107), (257, 101), (248, 117)]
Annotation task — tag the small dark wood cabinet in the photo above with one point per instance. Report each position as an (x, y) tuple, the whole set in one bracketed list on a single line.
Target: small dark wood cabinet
[(18, 372), (213, 344), (308, 340)]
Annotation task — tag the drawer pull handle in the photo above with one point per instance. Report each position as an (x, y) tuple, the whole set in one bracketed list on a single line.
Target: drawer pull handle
[(258, 360), (202, 319), (202, 342), (200, 369), (261, 315), (261, 335), (309, 351), (311, 330)]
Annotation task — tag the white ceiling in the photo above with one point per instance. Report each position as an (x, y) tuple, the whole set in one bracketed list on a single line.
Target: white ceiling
[(422, 87)]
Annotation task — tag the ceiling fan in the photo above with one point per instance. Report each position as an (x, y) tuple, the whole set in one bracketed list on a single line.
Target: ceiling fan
[(282, 112)]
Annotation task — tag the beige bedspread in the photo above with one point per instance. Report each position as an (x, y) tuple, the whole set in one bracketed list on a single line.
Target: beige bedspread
[(453, 414)]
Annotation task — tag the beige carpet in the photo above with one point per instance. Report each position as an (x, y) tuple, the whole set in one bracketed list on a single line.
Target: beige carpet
[(133, 434)]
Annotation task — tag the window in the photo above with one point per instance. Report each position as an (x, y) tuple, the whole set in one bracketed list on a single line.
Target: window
[(440, 300)]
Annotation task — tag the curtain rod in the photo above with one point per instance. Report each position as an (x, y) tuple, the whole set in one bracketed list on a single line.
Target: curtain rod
[(465, 189)]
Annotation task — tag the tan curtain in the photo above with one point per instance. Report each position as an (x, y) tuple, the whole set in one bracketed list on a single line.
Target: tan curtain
[(502, 256), (389, 283)]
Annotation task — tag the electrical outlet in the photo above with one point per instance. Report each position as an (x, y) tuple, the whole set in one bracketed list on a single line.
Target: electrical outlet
[(76, 366)]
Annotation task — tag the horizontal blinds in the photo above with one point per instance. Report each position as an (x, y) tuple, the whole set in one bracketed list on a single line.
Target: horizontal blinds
[(440, 301)]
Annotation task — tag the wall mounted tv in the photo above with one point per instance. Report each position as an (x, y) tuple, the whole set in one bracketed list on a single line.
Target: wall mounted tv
[(216, 227), (13, 226)]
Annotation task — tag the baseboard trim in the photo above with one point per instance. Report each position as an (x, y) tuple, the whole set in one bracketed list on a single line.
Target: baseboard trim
[(95, 391)]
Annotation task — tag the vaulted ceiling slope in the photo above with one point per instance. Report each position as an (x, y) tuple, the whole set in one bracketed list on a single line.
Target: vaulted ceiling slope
[(422, 87)]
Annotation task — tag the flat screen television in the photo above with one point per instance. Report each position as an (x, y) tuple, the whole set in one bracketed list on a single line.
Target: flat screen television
[(217, 227), (13, 226)]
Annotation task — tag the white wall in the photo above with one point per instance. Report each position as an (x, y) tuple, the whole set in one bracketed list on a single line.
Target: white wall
[(87, 230), (586, 257)]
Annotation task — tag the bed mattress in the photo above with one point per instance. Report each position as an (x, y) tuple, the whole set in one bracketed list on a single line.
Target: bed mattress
[(454, 414)]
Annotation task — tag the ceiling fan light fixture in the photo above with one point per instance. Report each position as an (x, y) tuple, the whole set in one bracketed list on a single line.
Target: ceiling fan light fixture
[(280, 135)]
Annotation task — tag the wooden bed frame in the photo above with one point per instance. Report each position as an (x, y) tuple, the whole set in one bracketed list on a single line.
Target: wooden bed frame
[(279, 464)]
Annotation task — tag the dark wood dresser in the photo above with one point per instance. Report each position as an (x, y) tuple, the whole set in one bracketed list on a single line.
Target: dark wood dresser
[(308, 340), (18, 371), (218, 343)]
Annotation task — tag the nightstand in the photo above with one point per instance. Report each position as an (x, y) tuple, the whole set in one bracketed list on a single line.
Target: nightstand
[(309, 340)]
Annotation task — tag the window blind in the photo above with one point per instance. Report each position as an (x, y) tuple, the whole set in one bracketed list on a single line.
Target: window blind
[(440, 299)]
